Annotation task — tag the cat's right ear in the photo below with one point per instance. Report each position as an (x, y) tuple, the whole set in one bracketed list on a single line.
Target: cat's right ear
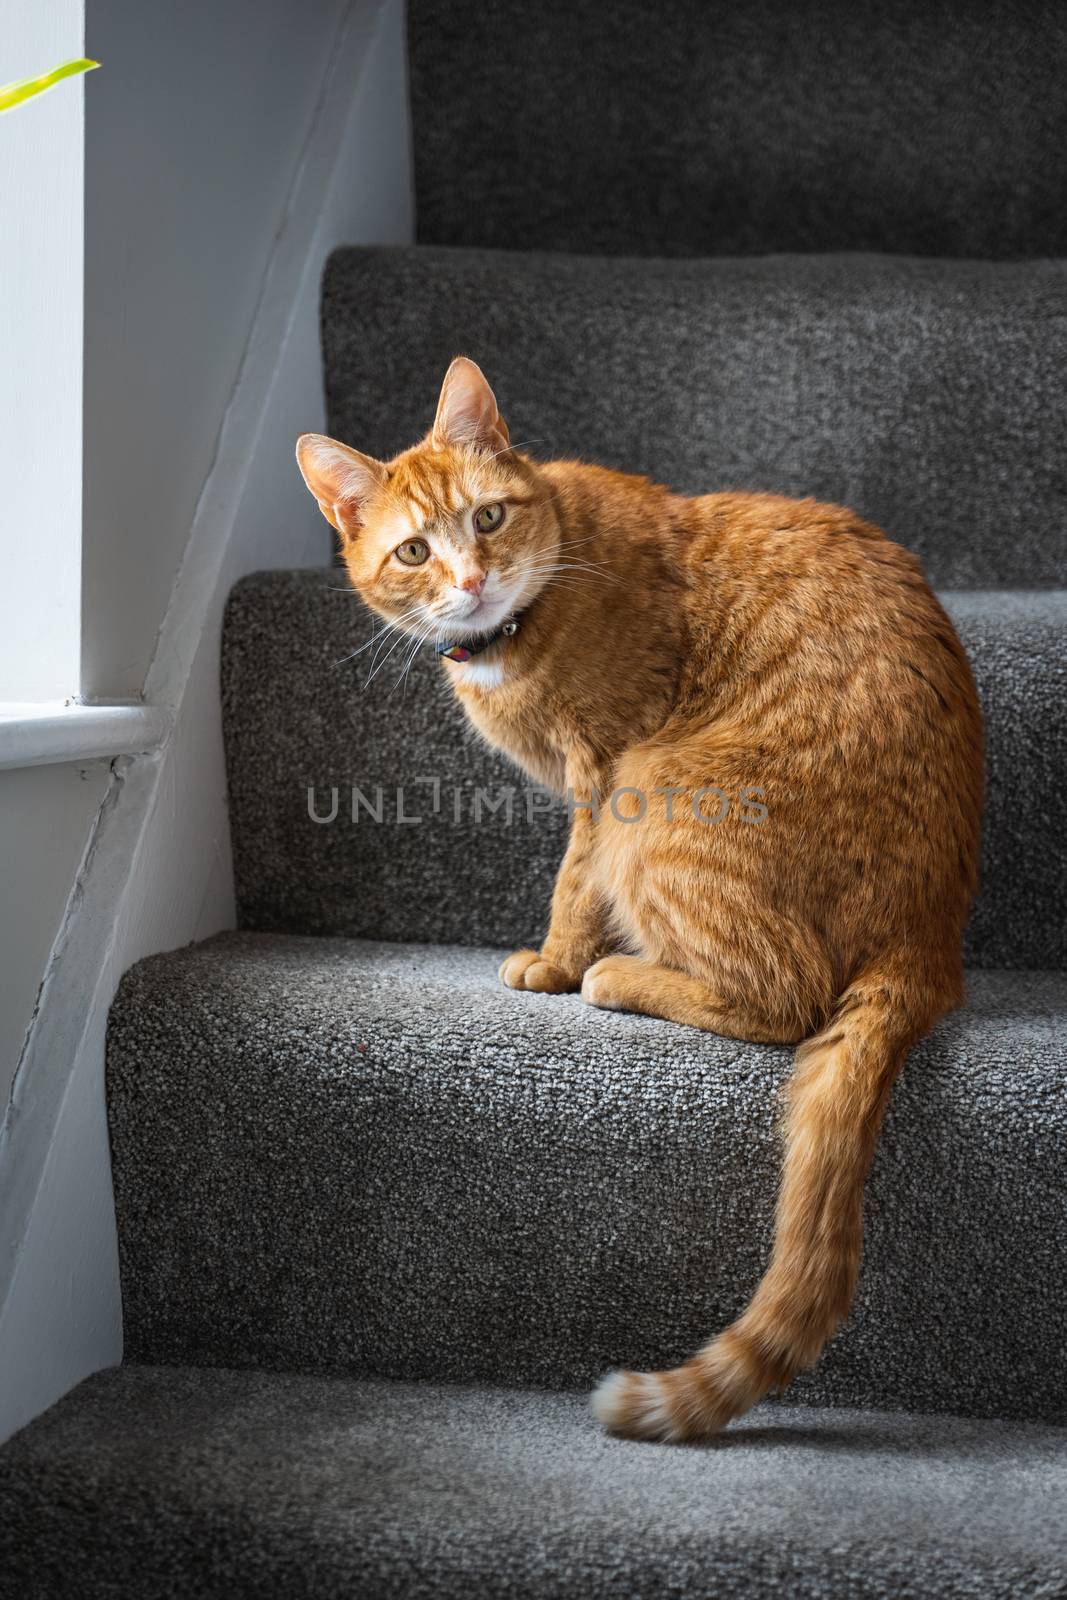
[(342, 480), (467, 412)]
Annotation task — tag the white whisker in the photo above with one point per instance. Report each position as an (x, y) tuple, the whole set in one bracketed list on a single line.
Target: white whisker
[(416, 647), (381, 633), (400, 639), (525, 443), (549, 567), (569, 544)]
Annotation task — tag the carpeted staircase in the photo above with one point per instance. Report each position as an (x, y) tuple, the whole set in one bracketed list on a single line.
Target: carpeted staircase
[(382, 1220)]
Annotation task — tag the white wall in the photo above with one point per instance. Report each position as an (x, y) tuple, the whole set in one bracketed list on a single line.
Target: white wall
[(160, 873), (45, 817), (193, 133), (370, 201), (40, 355)]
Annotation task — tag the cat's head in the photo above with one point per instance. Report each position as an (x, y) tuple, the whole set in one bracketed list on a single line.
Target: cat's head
[(450, 537)]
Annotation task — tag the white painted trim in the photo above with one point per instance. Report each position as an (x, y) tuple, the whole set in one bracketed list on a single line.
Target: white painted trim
[(42, 734)]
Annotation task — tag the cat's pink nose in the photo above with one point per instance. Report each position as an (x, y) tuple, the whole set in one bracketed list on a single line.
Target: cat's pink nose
[(473, 584)]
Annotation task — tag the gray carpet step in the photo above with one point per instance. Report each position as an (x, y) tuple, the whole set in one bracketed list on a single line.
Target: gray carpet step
[(336, 1155), (161, 1484), (926, 394), (300, 715), (710, 128)]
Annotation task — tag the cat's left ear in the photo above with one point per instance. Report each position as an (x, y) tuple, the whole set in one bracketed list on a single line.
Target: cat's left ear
[(343, 480), (466, 411)]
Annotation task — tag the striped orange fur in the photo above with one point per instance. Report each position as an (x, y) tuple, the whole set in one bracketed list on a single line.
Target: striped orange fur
[(790, 655)]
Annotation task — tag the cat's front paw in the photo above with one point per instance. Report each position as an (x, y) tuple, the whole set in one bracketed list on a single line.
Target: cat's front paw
[(527, 969), (609, 982)]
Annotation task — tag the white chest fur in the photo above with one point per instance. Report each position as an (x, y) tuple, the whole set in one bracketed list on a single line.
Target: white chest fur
[(484, 674)]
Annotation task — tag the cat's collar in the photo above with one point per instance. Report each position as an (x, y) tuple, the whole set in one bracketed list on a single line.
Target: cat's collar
[(474, 647)]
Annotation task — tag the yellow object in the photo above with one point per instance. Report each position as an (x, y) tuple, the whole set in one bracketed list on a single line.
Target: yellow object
[(13, 94)]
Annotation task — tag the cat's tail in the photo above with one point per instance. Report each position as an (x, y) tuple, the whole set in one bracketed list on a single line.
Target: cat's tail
[(834, 1106)]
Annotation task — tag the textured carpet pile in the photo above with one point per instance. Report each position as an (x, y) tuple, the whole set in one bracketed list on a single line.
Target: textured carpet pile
[(928, 395), (377, 1159), (708, 128), (245, 1485)]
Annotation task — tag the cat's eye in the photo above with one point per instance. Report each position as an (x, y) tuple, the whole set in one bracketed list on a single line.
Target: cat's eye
[(486, 518), (413, 552)]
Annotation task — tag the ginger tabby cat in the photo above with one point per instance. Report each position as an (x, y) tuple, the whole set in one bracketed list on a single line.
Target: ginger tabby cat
[(665, 644)]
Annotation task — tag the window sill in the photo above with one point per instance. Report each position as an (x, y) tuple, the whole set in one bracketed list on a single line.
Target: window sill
[(36, 735)]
